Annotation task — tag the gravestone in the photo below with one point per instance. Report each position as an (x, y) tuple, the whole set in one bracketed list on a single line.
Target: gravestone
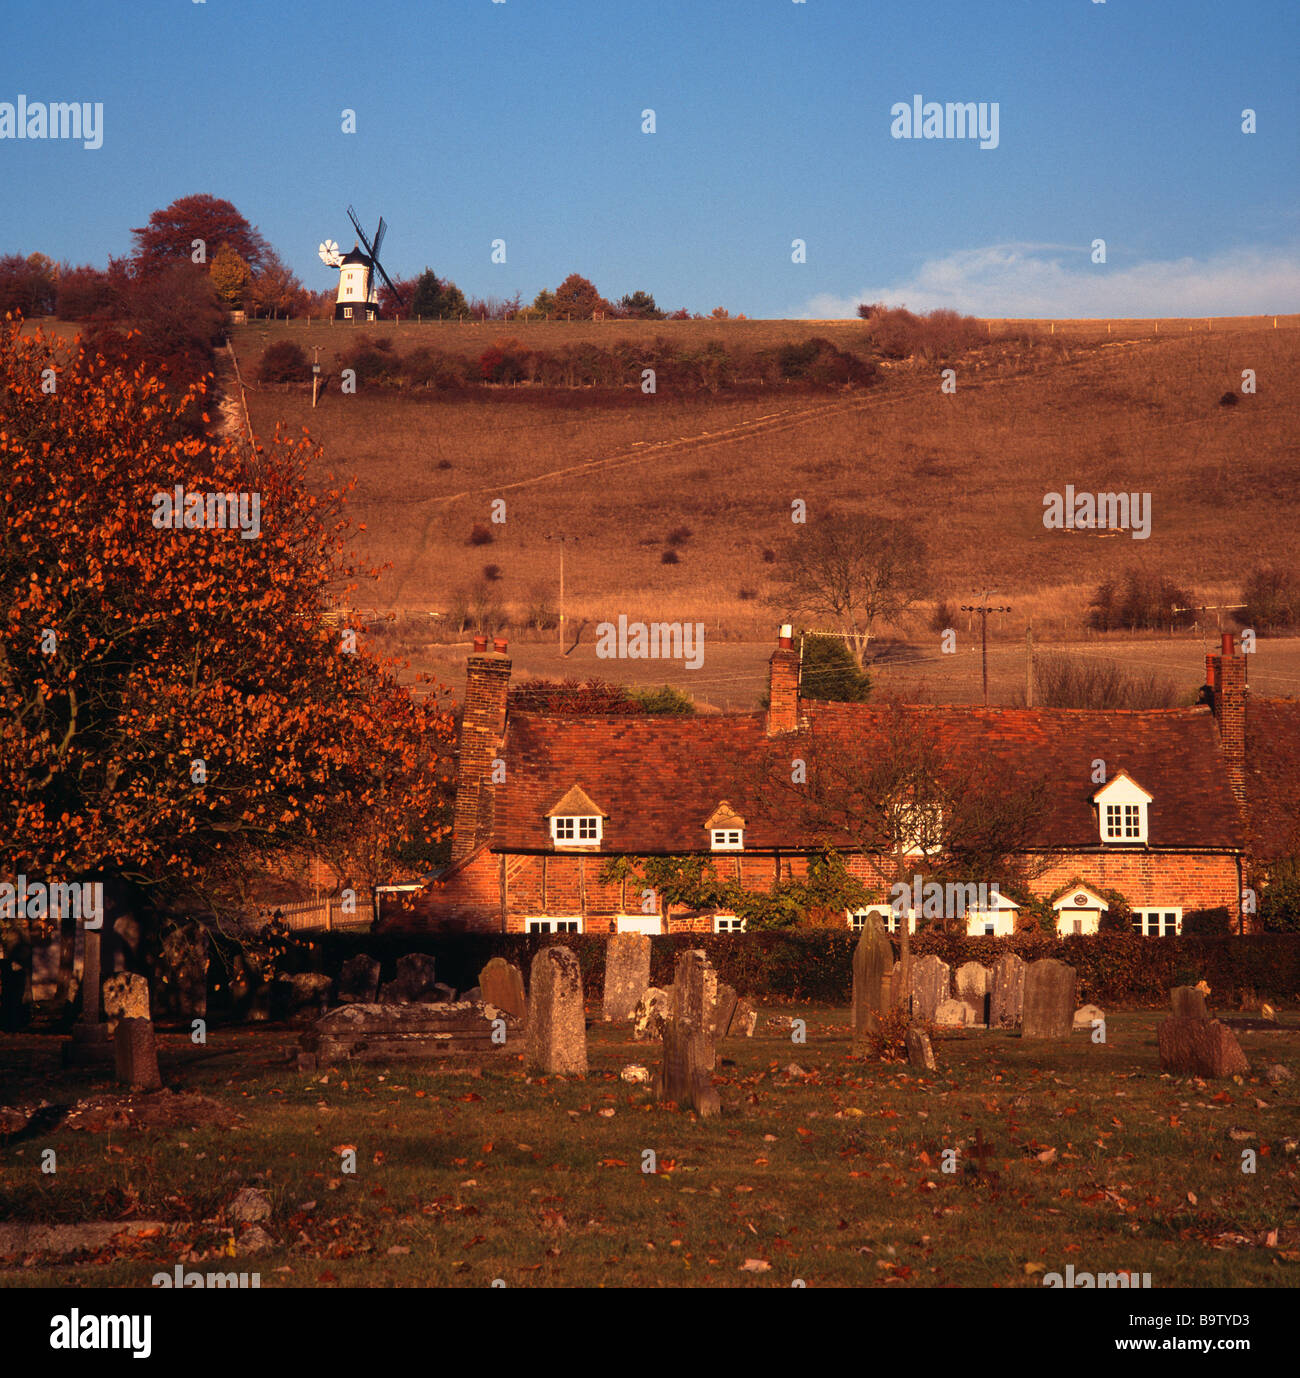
[(452, 1035), (557, 1025), (90, 1044), (501, 983), (359, 981), (1188, 1003), (920, 1053), (1201, 1048), (135, 1054), (1086, 1015), (974, 982), (648, 1018), (871, 961), (126, 996), (744, 1020), (414, 982), (724, 1012), (181, 989), (930, 986), (627, 974), (1007, 998), (685, 1075), (695, 993), (953, 1014), (304, 992), (1049, 1000)]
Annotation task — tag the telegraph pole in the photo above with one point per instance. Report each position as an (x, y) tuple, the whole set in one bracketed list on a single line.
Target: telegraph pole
[(984, 609), (1029, 666), (562, 540)]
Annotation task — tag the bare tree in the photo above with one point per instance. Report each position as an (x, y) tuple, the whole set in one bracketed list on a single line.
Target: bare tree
[(859, 570), (891, 787)]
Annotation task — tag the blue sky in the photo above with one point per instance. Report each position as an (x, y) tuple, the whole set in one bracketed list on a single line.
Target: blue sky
[(522, 121)]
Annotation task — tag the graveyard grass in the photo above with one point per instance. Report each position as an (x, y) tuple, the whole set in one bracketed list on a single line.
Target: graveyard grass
[(834, 1176)]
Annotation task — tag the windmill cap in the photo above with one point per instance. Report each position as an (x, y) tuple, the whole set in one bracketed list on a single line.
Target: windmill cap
[(356, 256)]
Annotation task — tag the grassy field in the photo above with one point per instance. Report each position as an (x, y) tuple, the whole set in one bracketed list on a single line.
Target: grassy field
[(616, 476), (830, 1170)]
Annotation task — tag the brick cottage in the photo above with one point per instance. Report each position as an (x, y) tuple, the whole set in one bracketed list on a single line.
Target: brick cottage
[(1194, 806)]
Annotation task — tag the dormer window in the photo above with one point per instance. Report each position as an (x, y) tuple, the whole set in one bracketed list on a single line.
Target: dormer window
[(576, 820), (1122, 806), (726, 829), (576, 830)]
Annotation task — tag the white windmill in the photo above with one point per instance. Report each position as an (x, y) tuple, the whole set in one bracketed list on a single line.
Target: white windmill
[(358, 296)]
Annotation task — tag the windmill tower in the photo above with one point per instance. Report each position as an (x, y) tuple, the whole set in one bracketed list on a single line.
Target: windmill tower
[(358, 295)]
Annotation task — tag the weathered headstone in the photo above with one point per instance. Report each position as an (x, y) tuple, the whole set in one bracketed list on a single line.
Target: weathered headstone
[(415, 981), (307, 991), (627, 974), (919, 1051), (90, 1044), (685, 1075), (695, 993), (501, 983), (135, 1054), (557, 1026), (953, 1014), (1086, 1015), (1007, 998), (182, 985), (449, 1034), (930, 986), (724, 1011), (651, 1010), (973, 983), (1187, 1002), (1049, 1000), (359, 981), (744, 1021), (1200, 1047), (126, 996), (872, 958)]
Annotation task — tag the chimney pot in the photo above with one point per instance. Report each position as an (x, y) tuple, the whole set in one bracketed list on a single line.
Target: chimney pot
[(1226, 643), (785, 638), (499, 644), (480, 645)]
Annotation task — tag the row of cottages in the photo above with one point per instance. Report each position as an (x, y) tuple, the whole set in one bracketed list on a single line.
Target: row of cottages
[(1194, 807)]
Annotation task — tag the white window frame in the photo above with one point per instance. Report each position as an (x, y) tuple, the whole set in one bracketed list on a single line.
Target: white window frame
[(1123, 813), (549, 925), (728, 839), (857, 918), (583, 829), (1145, 915), (728, 923)]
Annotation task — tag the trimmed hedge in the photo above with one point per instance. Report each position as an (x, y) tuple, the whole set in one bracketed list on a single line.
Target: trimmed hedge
[(816, 965)]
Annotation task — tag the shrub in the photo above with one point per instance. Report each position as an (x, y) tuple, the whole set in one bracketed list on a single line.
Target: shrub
[(480, 534), (283, 362), (1140, 602), (665, 699), (669, 557), (830, 673), (492, 573), (1064, 681), (679, 535), (887, 1042), (1279, 901), (1206, 923)]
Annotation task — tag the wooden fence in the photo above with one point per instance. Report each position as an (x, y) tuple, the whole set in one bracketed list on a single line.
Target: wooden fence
[(324, 915)]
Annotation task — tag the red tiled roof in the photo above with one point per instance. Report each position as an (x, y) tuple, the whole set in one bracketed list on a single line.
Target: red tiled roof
[(1273, 776), (660, 778)]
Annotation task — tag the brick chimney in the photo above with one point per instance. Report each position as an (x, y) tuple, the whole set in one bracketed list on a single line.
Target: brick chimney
[(1225, 676), (482, 727), (783, 692)]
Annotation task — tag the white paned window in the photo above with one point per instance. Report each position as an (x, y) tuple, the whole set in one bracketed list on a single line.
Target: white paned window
[(728, 839), (728, 923), (555, 925), (576, 830), (1158, 923)]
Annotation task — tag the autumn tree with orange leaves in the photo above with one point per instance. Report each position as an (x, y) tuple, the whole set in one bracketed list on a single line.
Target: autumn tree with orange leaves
[(174, 708)]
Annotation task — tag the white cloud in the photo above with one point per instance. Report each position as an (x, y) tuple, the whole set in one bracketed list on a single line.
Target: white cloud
[(1056, 280)]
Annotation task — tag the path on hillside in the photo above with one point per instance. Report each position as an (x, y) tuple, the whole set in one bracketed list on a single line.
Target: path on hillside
[(770, 423)]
